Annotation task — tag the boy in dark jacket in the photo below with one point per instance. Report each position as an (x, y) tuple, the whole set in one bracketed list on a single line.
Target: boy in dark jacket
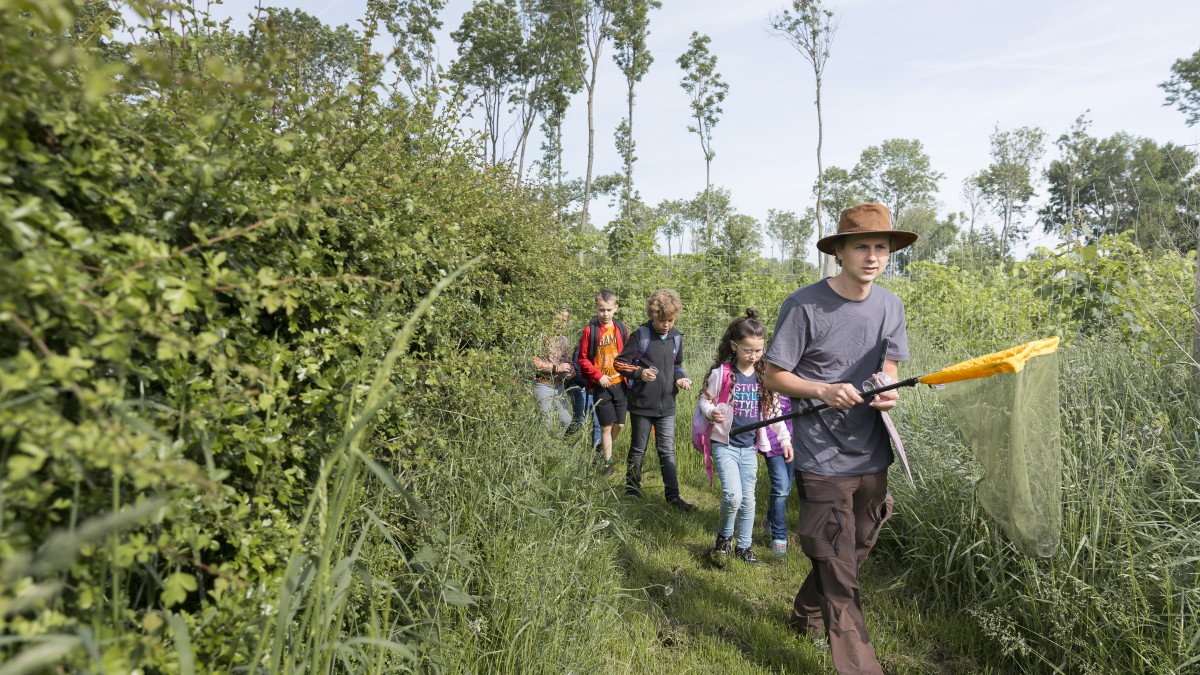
[(652, 362)]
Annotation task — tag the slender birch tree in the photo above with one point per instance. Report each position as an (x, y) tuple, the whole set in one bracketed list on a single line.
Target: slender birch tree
[(809, 28), (631, 27), (706, 90), (1008, 183)]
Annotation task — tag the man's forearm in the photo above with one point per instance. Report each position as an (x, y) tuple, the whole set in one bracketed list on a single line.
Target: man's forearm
[(791, 384)]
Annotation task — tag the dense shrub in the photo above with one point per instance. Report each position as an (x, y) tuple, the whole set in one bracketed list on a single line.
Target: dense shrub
[(201, 276)]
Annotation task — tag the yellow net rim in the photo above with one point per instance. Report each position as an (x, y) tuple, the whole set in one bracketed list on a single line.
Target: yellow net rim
[(1008, 361)]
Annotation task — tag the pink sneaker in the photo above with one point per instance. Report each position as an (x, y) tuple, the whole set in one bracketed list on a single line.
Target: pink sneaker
[(779, 547)]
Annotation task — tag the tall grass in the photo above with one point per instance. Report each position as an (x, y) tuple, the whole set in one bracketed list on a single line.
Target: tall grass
[(1122, 591), (538, 566)]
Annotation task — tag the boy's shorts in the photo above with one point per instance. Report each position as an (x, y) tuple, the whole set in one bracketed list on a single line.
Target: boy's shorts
[(611, 405)]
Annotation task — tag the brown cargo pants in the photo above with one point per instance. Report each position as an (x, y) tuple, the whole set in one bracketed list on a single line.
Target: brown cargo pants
[(840, 520)]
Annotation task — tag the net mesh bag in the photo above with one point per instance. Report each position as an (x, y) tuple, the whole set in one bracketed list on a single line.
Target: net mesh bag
[(1010, 420)]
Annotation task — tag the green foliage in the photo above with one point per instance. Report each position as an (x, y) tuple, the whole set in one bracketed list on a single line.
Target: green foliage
[(201, 275), (1008, 183), (413, 25), (705, 89), (841, 191), (1183, 87), (490, 45), (1120, 593), (257, 407), (1121, 183), (945, 303), (630, 29), (1116, 289), (935, 234), (897, 173), (791, 232), (1113, 288)]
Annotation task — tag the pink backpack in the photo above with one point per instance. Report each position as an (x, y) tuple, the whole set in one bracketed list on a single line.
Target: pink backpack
[(701, 424)]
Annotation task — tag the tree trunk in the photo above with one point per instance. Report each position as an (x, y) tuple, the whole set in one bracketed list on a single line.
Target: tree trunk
[(827, 267), (1196, 323), (591, 106), (629, 158), (496, 132), (524, 141), (558, 152), (707, 203), (587, 183)]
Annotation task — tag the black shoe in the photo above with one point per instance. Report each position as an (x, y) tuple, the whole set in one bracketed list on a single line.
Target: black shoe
[(719, 556), (633, 494), (746, 555), (682, 505)]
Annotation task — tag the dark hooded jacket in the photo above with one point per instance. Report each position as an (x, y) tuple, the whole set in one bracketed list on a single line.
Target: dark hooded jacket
[(657, 398)]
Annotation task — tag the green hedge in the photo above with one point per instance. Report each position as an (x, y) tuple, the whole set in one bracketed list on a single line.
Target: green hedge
[(201, 276)]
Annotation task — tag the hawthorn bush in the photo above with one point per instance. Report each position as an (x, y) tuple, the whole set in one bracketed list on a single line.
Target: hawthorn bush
[(202, 273)]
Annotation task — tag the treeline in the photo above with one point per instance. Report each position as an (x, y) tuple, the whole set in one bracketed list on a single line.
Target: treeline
[(523, 63), (521, 67)]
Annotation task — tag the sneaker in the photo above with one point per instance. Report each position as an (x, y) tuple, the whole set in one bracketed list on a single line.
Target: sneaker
[(682, 505), (779, 547), (719, 556), (746, 555), (610, 467)]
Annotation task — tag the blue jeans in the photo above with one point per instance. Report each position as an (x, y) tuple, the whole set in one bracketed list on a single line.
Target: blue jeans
[(582, 403), (780, 473), (738, 470), (664, 443)]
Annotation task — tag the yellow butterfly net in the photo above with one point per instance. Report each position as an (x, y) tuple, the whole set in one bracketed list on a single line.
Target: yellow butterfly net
[(1009, 417)]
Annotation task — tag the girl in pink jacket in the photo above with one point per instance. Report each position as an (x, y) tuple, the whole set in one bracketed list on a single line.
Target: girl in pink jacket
[(733, 396)]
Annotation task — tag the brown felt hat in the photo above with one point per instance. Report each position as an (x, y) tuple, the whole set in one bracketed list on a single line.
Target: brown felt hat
[(866, 219)]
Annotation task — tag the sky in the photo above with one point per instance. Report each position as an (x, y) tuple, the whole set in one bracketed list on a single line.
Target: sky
[(945, 72)]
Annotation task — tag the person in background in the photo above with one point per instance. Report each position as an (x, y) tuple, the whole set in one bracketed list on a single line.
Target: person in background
[(733, 395), (652, 360), (552, 368), (599, 345), (780, 473), (582, 402)]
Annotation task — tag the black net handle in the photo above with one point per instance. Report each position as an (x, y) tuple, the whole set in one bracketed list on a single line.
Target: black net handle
[(910, 382)]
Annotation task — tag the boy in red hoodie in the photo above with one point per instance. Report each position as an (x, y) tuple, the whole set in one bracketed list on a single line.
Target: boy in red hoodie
[(601, 342)]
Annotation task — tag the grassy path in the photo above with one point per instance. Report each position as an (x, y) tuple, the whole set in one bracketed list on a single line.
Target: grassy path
[(705, 619)]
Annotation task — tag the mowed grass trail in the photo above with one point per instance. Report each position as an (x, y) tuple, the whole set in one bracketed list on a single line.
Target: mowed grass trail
[(707, 619)]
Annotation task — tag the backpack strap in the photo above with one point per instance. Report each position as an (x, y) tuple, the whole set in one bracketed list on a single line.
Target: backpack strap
[(593, 339), (643, 338), (722, 397), (726, 383), (679, 373)]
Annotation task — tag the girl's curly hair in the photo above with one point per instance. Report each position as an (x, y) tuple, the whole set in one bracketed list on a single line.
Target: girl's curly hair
[(742, 327)]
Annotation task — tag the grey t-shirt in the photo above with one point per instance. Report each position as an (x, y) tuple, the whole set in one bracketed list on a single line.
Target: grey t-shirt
[(823, 337)]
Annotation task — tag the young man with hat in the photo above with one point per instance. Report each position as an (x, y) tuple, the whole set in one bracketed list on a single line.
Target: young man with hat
[(828, 341)]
